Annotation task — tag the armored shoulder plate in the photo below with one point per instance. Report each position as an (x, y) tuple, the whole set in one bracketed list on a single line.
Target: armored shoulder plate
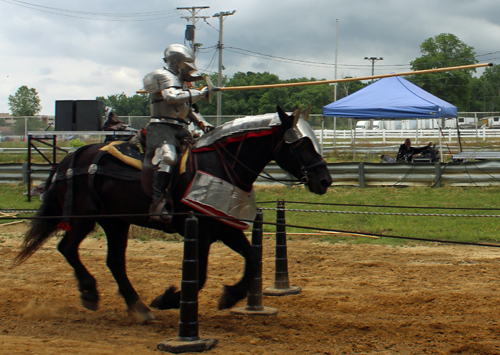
[(161, 79)]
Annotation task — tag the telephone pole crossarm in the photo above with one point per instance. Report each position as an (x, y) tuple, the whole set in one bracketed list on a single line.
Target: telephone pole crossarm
[(194, 10)]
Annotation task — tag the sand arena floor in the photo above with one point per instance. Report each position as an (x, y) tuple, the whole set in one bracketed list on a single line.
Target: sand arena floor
[(356, 299)]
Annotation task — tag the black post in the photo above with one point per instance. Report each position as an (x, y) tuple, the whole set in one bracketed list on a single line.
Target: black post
[(254, 298), (28, 170), (188, 323), (281, 280), (188, 339)]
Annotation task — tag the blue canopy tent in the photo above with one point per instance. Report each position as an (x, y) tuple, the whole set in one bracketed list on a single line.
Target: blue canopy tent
[(390, 98), (393, 97)]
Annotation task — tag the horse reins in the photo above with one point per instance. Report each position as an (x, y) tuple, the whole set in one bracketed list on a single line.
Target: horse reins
[(303, 168)]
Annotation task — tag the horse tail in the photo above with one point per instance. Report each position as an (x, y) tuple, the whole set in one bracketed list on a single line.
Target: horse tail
[(43, 226)]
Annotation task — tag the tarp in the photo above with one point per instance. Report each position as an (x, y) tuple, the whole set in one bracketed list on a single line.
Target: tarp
[(392, 97)]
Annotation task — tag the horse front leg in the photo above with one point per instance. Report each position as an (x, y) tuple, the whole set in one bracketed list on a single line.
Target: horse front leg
[(237, 241), (117, 235), (172, 296)]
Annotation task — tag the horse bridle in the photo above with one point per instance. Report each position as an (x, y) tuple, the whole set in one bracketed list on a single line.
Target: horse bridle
[(303, 169)]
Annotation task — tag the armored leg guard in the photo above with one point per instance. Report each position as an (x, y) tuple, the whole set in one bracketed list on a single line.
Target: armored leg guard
[(162, 206)]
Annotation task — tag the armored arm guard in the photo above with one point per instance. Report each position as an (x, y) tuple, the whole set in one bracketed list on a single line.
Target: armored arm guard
[(200, 121), (176, 96)]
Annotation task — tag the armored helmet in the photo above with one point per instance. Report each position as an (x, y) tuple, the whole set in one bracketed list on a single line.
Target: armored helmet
[(177, 55)]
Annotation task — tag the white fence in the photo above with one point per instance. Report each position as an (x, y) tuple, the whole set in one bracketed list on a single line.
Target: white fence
[(416, 135)]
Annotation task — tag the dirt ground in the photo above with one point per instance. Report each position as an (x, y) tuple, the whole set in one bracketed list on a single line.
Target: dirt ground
[(356, 299)]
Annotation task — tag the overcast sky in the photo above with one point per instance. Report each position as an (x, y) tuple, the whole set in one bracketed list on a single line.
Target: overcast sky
[(77, 50)]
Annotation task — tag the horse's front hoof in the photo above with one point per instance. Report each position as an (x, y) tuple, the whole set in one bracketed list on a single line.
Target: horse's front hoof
[(140, 313), (227, 300), (90, 300), (90, 305), (170, 299)]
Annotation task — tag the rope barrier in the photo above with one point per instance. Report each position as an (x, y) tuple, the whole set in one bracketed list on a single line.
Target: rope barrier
[(385, 213), (262, 208), (17, 211), (386, 206), (300, 227)]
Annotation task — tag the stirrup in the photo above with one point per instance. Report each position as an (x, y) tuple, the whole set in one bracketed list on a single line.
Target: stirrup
[(159, 213), (163, 217)]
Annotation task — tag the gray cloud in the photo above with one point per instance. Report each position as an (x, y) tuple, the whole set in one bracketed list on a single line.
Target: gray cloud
[(80, 58)]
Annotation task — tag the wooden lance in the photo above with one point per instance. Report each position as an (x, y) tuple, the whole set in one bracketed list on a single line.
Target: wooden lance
[(320, 82)]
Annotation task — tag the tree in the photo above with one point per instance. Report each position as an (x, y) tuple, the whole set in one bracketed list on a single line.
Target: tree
[(123, 105), (253, 102), (446, 50), (25, 102), (348, 87), (486, 90)]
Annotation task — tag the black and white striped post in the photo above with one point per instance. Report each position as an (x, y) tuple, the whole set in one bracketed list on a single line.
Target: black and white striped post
[(188, 339), (281, 281)]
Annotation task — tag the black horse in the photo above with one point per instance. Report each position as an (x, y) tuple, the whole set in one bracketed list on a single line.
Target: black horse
[(116, 189)]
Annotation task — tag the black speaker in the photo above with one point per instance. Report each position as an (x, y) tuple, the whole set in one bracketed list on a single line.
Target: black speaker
[(65, 115), (89, 114)]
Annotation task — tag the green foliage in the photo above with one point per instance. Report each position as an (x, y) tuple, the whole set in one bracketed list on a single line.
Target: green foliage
[(485, 94), (348, 87), (3, 122), (259, 101), (123, 105), (25, 102), (244, 102), (75, 143), (446, 50)]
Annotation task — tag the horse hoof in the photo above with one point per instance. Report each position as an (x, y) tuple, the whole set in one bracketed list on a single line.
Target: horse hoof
[(170, 299), (92, 306), (227, 301), (140, 313)]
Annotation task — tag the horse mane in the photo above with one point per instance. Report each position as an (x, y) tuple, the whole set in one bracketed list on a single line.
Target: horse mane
[(260, 125)]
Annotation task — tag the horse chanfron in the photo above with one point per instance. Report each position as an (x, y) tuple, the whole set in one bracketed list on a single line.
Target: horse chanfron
[(300, 155)]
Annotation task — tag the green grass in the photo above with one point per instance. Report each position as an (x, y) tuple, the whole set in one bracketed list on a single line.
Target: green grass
[(465, 229), (12, 196)]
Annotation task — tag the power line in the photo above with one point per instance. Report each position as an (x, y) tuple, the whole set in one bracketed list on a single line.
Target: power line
[(98, 16), (300, 61), (322, 64)]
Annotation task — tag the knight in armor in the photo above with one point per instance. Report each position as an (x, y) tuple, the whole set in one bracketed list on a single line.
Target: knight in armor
[(172, 109)]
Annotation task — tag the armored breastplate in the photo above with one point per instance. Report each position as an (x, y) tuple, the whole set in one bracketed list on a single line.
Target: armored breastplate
[(161, 109), (157, 81)]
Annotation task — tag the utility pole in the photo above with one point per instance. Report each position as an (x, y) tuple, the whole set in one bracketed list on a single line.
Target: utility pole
[(335, 92), (373, 60), (336, 50), (222, 16), (194, 10)]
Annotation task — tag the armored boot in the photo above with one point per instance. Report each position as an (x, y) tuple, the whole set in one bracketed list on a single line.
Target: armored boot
[(162, 206)]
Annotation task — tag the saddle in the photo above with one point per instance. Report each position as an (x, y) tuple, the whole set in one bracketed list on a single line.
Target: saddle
[(132, 153)]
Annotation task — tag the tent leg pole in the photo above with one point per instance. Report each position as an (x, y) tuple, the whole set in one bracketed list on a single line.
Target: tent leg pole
[(334, 134)]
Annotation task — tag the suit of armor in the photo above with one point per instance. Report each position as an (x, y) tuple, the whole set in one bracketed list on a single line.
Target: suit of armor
[(172, 109)]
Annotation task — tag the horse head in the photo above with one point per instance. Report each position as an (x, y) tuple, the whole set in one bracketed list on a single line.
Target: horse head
[(299, 151)]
